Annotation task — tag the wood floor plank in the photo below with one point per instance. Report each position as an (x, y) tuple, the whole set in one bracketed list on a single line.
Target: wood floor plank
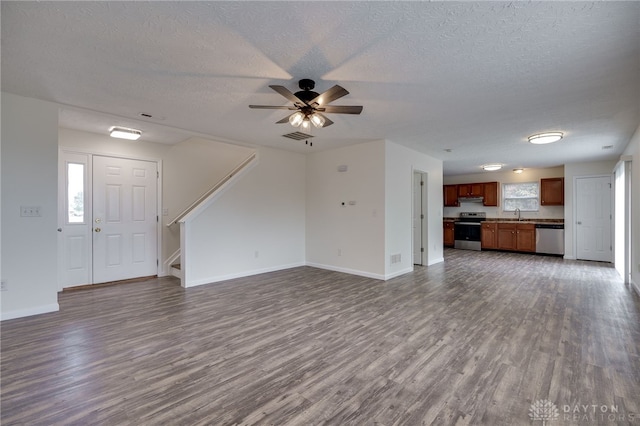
[(474, 340)]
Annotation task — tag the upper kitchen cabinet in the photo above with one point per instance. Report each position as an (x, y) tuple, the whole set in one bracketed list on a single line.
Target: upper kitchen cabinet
[(450, 195), (471, 190), (552, 191), (490, 194)]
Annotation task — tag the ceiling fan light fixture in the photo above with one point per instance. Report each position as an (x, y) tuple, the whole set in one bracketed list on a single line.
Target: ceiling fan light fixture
[(491, 167), (306, 124), (544, 138), (317, 120), (125, 133), (296, 119)]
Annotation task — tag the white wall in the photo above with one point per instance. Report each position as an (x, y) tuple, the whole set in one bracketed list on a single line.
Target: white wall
[(256, 226), (29, 178), (633, 149), (349, 238), (400, 164), (507, 176), (571, 171)]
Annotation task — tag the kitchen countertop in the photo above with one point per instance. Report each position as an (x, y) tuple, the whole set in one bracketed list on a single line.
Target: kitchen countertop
[(514, 220)]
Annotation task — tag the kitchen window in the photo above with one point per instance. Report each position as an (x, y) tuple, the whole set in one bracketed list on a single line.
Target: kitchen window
[(523, 196)]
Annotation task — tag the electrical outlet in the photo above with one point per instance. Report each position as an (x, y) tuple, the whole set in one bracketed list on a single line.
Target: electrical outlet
[(3, 285)]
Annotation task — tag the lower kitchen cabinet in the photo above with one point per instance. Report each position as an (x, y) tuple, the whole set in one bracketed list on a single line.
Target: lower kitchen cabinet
[(507, 236), (517, 236), (526, 237), (448, 234), (489, 235)]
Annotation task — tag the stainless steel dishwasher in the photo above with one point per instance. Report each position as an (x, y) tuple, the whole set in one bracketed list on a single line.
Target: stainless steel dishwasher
[(549, 238)]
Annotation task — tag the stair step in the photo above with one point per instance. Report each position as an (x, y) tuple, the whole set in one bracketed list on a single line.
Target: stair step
[(176, 266)]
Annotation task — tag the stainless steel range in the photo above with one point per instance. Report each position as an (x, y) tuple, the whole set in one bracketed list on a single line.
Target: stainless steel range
[(467, 230)]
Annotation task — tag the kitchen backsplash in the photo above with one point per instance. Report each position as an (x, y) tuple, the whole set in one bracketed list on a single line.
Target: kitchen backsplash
[(550, 212)]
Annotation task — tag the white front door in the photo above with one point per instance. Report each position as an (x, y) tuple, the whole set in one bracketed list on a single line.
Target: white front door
[(593, 218), (108, 219), (124, 219)]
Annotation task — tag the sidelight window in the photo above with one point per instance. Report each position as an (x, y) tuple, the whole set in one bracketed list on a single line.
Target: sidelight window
[(75, 193), (523, 196)]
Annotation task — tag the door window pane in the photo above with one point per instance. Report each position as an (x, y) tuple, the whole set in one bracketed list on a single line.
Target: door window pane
[(75, 192)]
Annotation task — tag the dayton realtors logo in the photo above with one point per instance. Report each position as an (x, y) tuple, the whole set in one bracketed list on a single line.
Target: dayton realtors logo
[(546, 411), (543, 410)]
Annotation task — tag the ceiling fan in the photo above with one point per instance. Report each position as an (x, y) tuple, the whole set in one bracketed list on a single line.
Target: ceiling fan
[(309, 106)]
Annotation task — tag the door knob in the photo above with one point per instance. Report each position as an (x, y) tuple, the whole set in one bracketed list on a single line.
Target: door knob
[(579, 223), (59, 229), (97, 229)]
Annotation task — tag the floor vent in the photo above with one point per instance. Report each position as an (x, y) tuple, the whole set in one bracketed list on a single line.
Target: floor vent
[(298, 136)]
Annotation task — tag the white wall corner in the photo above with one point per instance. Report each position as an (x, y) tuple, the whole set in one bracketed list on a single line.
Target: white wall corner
[(347, 271)]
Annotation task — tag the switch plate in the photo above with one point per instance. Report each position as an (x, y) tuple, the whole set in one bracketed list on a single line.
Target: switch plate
[(30, 211), (3, 285)]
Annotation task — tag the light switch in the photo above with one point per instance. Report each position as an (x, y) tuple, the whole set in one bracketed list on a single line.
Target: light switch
[(30, 211)]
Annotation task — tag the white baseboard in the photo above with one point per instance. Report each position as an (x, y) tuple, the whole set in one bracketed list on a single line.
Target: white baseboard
[(20, 313), (215, 279), (398, 273), (434, 261), (569, 258), (635, 286), (347, 271)]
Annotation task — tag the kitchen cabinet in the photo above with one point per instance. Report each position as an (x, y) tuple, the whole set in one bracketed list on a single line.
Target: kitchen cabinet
[(526, 237), (448, 234), (450, 195), (552, 192), (489, 235), (471, 190), (490, 194), (517, 237), (507, 236)]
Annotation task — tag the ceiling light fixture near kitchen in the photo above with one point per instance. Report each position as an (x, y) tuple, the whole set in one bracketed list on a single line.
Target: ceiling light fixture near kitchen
[(518, 171), (543, 138), (492, 167), (125, 133)]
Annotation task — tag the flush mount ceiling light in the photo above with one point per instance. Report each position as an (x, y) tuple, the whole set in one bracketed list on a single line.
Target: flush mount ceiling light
[(125, 133), (542, 138), (491, 167), (518, 171)]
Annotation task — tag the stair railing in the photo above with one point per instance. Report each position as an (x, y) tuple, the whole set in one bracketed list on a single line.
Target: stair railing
[(211, 191)]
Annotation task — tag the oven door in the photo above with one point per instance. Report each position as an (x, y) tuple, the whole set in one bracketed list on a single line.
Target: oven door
[(467, 235)]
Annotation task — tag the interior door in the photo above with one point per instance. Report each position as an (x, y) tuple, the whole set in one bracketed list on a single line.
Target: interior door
[(124, 219), (417, 219), (593, 218)]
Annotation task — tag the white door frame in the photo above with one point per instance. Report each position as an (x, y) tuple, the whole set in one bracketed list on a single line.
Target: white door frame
[(159, 269), (575, 210), (424, 224)]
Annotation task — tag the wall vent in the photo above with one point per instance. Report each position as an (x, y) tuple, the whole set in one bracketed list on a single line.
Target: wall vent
[(396, 258), (607, 147), (297, 136)]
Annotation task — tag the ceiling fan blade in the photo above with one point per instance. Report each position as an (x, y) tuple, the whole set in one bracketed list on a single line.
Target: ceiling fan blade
[(327, 122), (336, 92), (284, 120), (287, 94), (273, 107), (342, 109)]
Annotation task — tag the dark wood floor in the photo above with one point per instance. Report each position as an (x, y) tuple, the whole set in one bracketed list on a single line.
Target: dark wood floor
[(475, 340)]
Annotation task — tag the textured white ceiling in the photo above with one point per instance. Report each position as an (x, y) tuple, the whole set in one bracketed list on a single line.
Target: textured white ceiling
[(473, 77)]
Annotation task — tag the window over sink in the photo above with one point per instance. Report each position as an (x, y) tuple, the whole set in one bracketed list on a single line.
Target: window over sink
[(522, 195)]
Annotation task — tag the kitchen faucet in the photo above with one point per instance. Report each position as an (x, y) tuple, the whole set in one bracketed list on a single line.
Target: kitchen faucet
[(518, 213)]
